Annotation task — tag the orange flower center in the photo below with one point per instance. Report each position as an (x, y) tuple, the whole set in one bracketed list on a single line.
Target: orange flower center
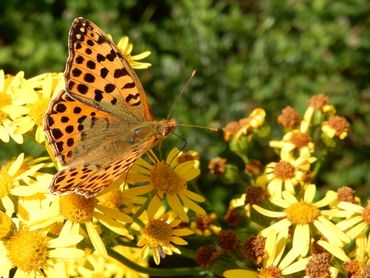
[(28, 250), (284, 170), (164, 178), (270, 272), (157, 233), (38, 109), (339, 124), (300, 139), (302, 213), (318, 102), (77, 208)]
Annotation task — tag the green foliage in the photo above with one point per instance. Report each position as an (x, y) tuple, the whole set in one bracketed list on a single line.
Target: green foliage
[(247, 53)]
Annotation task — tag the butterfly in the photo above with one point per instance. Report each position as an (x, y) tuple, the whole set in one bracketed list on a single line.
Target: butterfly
[(101, 123)]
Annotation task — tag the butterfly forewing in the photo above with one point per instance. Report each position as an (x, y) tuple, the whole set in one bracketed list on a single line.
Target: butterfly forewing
[(98, 74)]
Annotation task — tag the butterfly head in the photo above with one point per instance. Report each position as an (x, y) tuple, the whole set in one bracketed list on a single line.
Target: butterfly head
[(165, 127)]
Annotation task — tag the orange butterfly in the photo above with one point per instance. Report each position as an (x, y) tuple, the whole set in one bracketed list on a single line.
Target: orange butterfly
[(101, 123)]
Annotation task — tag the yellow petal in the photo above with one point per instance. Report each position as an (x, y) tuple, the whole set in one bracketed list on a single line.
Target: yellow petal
[(66, 253), (334, 250), (154, 206), (193, 196), (269, 213), (64, 241), (309, 193), (95, 239)]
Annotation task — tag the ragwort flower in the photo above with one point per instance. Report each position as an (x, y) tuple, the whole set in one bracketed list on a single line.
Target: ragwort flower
[(304, 215), (41, 90), (74, 211), (160, 235), (286, 174), (34, 253), (166, 180)]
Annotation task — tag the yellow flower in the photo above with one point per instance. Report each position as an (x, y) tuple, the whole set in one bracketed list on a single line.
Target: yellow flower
[(358, 222), (21, 171), (254, 120), (11, 105), (160, 235), (126, 48), (273, 264), (336, 126), (313, 115), (166, 180), (33, 252), (41, 89), (74, 211), (286, 174), (294, 141), (304, 215)]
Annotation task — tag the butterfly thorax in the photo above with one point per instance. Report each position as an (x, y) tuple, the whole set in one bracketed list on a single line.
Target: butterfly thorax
[(151, 130)]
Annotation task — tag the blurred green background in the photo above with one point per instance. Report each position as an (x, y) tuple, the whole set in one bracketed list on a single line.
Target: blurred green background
[(247, 54)]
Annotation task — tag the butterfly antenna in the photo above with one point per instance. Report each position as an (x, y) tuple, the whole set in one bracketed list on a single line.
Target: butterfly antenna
[(182, 92), (213, 129)]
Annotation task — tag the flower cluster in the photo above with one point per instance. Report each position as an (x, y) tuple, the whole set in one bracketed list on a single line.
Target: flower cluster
[(301, 234), (278, 224)]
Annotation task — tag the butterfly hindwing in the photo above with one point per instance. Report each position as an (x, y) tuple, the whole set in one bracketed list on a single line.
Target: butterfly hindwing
[(90, 179), (69, 123)]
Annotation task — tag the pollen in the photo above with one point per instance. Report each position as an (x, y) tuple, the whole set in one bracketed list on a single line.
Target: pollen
[(111, 199), (256, 195), (270, 272), (165, 179), (38, 109), (318, 266), (28, 250), (346, 194), (354, 268), (217, 166), (254, 248), (284, 170), (300, 139), (230, 130), (338, 126), (289, 118), (77, 208), (302, 213), (6, 225), (206, 256), (228, 241), (318, 102), (157, 233)]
